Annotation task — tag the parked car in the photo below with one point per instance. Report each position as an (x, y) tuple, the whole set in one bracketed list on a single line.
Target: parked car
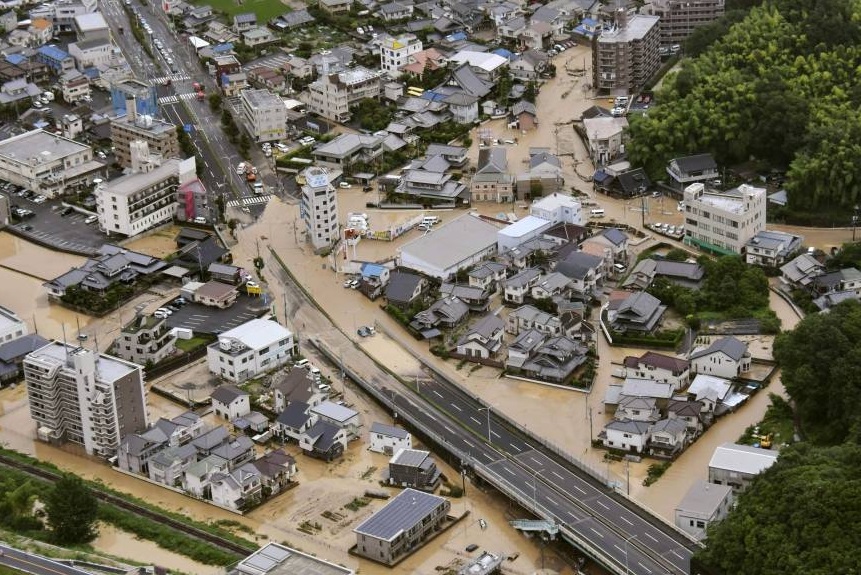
[(366, 331), (26, 227), (40, 199), (66, 211), (354, 284), (164, 310), (160, 314)]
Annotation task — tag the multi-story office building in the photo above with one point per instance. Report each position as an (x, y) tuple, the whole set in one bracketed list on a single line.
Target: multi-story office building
[(139, 201), (265, 115), (319, 208), (160, 136), (145, 339), (723, 222), (81, 396), (625, 57), (395, 53), (46, 163), (332, 95), (679, 18)]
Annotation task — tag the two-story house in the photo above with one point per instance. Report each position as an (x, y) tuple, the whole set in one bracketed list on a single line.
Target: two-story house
[(230, 402), (523, 347), (659, 367), (585, 270), (404, 289), (478, 299), (518, 286), (551, 285), (669, 437), (726, 357), (483, 339), (487, 275), (626, 435), (530, 317)]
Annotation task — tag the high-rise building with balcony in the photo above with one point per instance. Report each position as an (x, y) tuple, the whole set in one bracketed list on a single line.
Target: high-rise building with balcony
[(160, 136), (265, 115), (81, 396), (332, 95), (136, 202), (625, 57), (679, 18)]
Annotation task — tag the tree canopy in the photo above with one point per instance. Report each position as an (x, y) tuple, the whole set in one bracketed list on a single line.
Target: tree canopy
[(72, 510), (780, 86), (799, 516), (821, 362)]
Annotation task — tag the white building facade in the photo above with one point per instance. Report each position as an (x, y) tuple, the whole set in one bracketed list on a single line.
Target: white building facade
[(265, 114), (395, 53), (46, 163), (136, 202), (255, 347), (319, 209), (11, 326), (723, 222)]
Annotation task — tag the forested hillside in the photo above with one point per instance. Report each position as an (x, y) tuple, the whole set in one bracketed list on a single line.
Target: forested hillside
[(782, 86)]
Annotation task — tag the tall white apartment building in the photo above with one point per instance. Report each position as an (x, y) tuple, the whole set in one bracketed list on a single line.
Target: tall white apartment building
[(395, 53), (265, 115), (626, 56), (81, 396), (723, 222), (319, 208), (332, 95), (136, 202)]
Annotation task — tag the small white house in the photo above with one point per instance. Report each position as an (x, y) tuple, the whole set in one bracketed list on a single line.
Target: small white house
[(727, 357), (233, 490), (626, 435), (736, 465), (255, 347), (703, 505), (388, 439), (230, 402), (483, 339), (659, 367)]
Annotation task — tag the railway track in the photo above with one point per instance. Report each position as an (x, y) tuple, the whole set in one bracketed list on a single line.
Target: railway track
[(117, 501)]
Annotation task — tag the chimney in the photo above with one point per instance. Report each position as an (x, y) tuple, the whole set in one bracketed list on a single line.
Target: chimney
[(131, 108)]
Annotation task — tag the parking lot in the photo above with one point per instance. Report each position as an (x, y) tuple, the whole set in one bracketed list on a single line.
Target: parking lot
[(48, 226), (205, 319)]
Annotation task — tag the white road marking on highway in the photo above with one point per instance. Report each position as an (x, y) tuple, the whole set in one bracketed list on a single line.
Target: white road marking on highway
[(512, 446), (625, 520), (438, 394), (551, 500), (449, 429), (533, 460), (652, 538), (494, 433), (456, 407), (677, 555), (468, 442), (510, 472), (475, 420), (572, 515), (644, 567), (557, 475), (578, 489), (602, 505), (598, 533), (619, 548), (527, 445)]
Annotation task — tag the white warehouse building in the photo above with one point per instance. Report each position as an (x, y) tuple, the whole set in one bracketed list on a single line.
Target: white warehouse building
[(543, 214), (255, 347), (457, 245)]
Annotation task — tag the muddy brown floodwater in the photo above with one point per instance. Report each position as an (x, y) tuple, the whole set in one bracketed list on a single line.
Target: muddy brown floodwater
[(24, 267), (124, 544)]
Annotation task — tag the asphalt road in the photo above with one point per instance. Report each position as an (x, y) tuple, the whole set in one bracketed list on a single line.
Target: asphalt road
[(35, 564), (569, 497)]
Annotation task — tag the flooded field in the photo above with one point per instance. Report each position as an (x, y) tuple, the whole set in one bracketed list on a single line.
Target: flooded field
[(123, 544), (24, 267), (159, 243)]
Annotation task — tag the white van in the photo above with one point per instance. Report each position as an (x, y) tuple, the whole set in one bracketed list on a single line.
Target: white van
[(301, 363), (430, 220), (596, 213), (91, 220)]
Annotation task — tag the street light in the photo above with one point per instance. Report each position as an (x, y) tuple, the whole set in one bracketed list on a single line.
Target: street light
[(487, 409), (855, 221), (535, 489), (627, 541)]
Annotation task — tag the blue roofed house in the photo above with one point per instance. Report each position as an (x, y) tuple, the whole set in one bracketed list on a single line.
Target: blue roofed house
[(55, 58), (375, 278)]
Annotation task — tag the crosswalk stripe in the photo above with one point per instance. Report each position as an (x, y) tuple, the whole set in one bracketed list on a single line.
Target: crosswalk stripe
[(248, 201), (168, 100)]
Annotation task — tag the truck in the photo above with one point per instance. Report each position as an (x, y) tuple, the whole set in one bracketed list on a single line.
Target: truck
[(49, 96), (200, 96)]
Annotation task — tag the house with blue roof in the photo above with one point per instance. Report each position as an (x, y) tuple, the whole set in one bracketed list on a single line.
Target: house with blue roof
[(588, 28), (375, 278), (58, 60)]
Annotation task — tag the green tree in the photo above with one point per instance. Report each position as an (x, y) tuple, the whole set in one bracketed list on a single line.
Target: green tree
[(71, 510), (799, 516), (677, 255), (215, 101), (821, 363)]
